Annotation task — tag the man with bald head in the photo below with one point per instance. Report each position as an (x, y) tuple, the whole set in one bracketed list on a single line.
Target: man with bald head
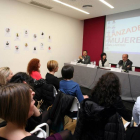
[(125, 62)]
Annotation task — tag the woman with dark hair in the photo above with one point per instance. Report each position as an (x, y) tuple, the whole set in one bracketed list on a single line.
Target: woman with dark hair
[(43, 90), (33, 69), (16, 112), (68, 86), (103, 62), (100, 116)]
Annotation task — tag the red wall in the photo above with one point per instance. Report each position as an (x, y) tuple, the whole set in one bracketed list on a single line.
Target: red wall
[(94, 37)]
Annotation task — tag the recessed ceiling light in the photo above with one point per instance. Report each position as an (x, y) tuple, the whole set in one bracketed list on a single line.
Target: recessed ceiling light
[(87, 6), (106, 3), (71, 6)]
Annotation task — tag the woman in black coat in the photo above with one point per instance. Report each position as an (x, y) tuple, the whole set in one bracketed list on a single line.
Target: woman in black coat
[(52, 66), (100, 116), (43, 90)]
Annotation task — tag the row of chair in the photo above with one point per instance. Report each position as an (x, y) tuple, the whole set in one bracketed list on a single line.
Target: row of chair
[(39, 132)]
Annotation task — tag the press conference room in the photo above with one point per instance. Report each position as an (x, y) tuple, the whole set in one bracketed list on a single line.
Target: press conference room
[(75, 65)]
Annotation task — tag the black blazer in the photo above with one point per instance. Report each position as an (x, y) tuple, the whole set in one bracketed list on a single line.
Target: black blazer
[(86, 60), (128, 63), (51, 79), (133, 133)]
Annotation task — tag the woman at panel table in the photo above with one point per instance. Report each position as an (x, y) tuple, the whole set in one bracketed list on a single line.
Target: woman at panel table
[(103, 62)]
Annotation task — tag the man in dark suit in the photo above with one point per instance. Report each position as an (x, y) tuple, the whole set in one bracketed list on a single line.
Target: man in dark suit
[(125, 63), (85, 59)]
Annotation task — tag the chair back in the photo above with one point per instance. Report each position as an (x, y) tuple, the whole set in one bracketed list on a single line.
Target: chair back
[(41, 132), (75, 105), (54, 91)]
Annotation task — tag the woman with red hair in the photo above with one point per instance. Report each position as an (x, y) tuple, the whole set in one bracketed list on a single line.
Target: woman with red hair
[(33, 69)]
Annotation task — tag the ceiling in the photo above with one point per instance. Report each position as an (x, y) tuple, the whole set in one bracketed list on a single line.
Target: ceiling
[(98, 9)]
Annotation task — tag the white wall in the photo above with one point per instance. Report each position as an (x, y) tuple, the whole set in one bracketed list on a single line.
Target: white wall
[(66, 33)]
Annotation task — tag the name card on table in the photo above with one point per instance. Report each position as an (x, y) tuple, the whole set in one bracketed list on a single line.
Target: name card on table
[(91, 66), (116, 69), (73, 62)]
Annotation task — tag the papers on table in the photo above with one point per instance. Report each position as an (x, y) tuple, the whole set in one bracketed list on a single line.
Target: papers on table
[(94, 66), (116, 69), (112, 69), (73, 62), (91, 66)]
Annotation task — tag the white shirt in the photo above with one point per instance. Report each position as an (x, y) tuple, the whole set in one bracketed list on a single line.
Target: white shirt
[(136, 111), (106, 64)]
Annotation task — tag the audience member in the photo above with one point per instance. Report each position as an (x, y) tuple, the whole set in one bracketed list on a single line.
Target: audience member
[(133, 133), (100, 116), (103, 62), (5, 75), (68, 86), (43, 90), (37, 117), (52, 66), (85, 59), (136, 111), (33, 69), (125, 63), (18, 103)]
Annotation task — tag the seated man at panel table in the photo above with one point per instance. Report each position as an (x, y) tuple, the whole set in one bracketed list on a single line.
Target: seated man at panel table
[(125, 63), (85, 59)]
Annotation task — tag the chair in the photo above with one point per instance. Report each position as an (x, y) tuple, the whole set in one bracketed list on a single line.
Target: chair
[(54, 91), (130, 123), (41, 133), (133, 68), (75, 108)]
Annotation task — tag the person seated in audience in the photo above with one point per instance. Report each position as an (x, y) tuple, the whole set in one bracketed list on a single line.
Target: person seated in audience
[(133, 133), (18, 103), (33, 69), (136, 111), (85, 59), (103, 62), (5, 75), (43, 90), (68, 86), (125, 63), (52, 66), (100, 116)]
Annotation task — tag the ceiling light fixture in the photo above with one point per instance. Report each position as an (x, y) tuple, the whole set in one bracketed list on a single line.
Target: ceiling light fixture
[(71, 6), (106, 3), (87, 6)]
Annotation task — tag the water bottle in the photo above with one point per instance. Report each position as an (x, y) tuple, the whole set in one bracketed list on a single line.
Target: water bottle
[(91, 63), (117, 65), (94, 63)]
